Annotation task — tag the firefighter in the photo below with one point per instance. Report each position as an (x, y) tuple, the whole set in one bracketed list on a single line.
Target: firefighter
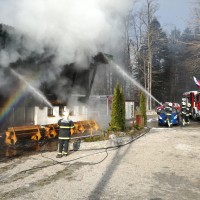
[(188, 113), (65, 126), (168, 111), (183, 112)]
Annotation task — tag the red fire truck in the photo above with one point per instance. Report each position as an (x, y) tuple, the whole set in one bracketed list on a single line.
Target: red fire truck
[(193, 97)]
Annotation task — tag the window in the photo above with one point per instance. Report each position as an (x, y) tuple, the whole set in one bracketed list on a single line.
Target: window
[(50, 112), (61, 110), (174, 111)]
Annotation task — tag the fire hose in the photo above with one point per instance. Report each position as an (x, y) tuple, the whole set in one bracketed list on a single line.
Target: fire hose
[(111, 148)]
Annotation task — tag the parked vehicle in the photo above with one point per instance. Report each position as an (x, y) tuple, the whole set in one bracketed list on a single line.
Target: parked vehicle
[(175, 105), (159, 108), (164, 121), (193, 97)]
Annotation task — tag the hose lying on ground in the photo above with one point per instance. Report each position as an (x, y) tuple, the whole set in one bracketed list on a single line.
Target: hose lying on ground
[(55, 162)]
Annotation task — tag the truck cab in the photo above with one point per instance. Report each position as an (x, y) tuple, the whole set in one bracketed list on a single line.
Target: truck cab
[(193, 97)]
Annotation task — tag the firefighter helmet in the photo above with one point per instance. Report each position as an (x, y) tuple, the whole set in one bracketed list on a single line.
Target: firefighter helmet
[(170, 104), (183, 99), (66, 113)]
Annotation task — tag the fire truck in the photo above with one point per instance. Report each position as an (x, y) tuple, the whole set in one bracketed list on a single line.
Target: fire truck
[(193, 97)]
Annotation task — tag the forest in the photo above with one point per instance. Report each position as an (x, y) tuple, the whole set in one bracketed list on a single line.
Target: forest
[(163, 63)]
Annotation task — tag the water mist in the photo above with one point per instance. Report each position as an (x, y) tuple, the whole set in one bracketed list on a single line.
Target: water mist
[(126, 76), (31, 88)]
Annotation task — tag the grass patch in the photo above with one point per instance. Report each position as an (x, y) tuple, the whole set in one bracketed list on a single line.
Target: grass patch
[(107, 135), (95, 138)]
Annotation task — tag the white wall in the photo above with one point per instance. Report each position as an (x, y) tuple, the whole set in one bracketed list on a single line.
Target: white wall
[(42, 118), (80, 113), (129, 105), (41, 115)]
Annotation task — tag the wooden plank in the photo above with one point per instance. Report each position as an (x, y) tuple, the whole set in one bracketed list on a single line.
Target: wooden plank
[(13, 133)]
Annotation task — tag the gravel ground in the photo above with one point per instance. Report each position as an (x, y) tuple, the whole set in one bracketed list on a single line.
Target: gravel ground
[(161, 165)]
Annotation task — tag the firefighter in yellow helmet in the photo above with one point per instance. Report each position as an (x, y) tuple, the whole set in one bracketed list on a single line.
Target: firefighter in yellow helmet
[(65, 125)]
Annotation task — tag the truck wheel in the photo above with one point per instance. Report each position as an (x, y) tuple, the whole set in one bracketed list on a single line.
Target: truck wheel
[(195, 116)]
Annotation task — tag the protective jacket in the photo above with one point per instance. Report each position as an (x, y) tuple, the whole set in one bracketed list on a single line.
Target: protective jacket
[(183, 110), (65, 126), (188, 112)]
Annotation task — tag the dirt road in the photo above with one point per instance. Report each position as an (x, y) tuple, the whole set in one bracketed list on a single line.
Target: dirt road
[(162, 165)]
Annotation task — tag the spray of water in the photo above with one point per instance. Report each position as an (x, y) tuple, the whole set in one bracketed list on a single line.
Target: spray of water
[(125, 75), (31, 88)]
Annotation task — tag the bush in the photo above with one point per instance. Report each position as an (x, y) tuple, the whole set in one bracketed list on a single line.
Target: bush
[(117, 122), (143, 107)]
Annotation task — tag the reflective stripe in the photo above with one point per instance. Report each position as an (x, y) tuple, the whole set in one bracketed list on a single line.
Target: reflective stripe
[(66, 126), (58, 147), (63, 138)]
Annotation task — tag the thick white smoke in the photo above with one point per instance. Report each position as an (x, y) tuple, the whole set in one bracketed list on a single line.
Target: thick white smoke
[(71, 29)]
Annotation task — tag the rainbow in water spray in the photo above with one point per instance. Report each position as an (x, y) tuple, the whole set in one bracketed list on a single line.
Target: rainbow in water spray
[(32, 89), (12, 102), (19, 94)]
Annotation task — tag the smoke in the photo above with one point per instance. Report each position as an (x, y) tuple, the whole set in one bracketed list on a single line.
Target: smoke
[(67, 31), (70, 29)]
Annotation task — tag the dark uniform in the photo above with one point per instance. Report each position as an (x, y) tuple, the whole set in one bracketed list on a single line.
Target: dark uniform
[(183, 111), (188, 113), (168, 111), (64, 136)]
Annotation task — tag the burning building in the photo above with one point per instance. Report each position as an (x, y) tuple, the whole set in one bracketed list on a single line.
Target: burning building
[(35, 91)]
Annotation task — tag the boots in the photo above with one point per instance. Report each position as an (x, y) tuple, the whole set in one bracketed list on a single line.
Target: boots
[(65, 154), (59, 156)]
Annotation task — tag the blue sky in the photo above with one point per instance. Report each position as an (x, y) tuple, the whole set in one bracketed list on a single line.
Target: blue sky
[(173, 13)]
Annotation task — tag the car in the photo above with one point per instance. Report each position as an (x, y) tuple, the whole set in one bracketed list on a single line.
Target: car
[(162, 118), (175, 105), (162, 106)]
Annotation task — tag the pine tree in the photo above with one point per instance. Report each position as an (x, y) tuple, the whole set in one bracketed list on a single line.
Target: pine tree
[(122, 110), (143, 107), (118, 110)]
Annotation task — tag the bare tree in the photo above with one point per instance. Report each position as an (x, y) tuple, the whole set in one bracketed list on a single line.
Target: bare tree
[(149, 14), (142, 40)]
